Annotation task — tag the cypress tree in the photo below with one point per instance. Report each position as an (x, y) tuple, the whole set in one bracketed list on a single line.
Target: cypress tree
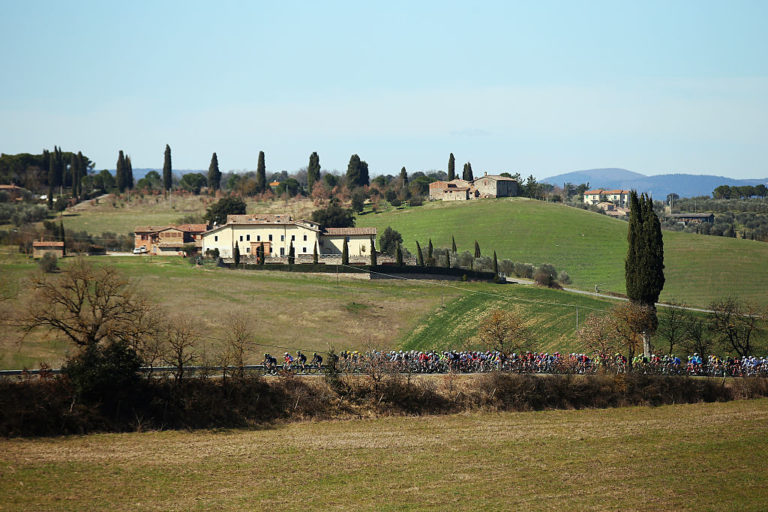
[(236, 255), (447, 259), (314, 254), (51, 178), (261, 174), (451, 168), (477, 250), (644, 264), (345, 253), (467, 176), (128, 173), (495, 264), (357, 172), (453, 244), (399, 255), (430, 250), (419, 255), (313, 171), (291, 255), (373, 252), (70, 179), (167, 170), (214, 175), (403, 178), (63, 238), (120, 171)]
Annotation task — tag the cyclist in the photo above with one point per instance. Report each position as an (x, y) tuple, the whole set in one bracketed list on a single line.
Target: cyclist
[(287, 361), (301, 359), (317, 360), (269, 362)]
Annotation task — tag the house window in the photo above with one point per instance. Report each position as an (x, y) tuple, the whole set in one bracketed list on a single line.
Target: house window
[(282, 238), (216, 238), (241, 238), (282, 251), (247, 249), (293, 238), (258, 238), (305, 238), (247, 238), (303, 249), (270, 239)]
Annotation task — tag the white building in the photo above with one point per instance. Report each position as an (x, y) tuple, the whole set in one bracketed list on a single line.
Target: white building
[(276, 233), (619, 198)]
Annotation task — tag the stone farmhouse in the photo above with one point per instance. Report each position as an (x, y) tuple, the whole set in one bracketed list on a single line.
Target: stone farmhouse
[(487, 186), (276, 233), (168, 240), (41, 248), (619, 198)]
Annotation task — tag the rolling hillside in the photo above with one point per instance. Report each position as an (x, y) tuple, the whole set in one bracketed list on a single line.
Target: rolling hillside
[(589, 246)]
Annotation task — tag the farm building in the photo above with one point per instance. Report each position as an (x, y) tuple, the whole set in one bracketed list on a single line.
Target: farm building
[(40, 248), (483, 187), (276, 233), (693, 218), (168, 240)]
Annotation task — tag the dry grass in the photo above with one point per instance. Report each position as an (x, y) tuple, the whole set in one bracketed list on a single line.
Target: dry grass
[(694, 457)]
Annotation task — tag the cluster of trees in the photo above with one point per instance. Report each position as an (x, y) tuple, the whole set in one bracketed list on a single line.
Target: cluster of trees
[(108, 320), (740, 192), (730, 327), (736, 218), (427, 255), (48, 170)]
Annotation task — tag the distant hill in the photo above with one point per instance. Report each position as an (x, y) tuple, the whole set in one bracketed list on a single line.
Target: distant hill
[(685, 185)]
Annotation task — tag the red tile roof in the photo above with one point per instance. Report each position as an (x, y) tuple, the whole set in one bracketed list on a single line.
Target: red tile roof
[(349, 231), (48, 244), (599, 191)]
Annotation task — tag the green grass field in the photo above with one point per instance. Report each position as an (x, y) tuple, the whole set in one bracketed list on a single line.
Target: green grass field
[(313, 312), (682, 457), (589, 246)]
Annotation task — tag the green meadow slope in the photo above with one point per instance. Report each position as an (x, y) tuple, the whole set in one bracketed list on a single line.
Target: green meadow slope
[(310, 312), (589, 246)]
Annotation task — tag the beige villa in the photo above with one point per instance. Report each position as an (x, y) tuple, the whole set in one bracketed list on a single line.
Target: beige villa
[(276, 233)]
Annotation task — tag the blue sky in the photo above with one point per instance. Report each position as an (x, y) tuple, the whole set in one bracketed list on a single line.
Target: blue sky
[(532, 87)]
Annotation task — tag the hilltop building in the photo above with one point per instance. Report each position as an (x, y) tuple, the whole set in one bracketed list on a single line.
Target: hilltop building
[(487, 186), (619, 198)]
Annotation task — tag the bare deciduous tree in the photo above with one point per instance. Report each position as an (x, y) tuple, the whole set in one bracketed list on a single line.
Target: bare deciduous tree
[(672, 325), (87, 305), (182, 334), (504, 331), (632, 321), (735, 324), (599, 334), (239, 340)]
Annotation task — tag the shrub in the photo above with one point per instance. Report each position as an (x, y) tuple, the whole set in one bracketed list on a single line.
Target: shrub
[(524, 270), (416, 201), (563, 277), (104, 373), (49, 263), (395, 202), (545, 275)]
